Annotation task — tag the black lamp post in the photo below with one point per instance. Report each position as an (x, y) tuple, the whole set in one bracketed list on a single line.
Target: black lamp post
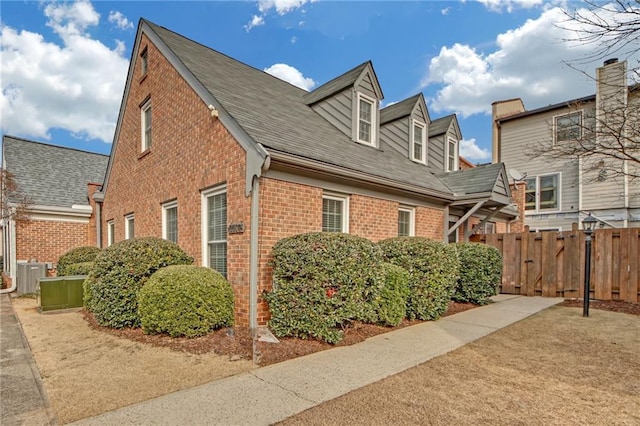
[(588, 225)]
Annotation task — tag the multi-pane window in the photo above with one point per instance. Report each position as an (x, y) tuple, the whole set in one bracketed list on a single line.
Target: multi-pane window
[(215, 209), (568, 127), (145, 114), (170, 221), (418, 140), (452, 155), (334, 214), (129, 227), (542, 192), (366, 120), (405, 222), (144, 61), (111, 232)]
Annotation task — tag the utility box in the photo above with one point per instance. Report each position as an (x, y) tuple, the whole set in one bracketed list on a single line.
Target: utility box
[(61, 292), (27, 276)]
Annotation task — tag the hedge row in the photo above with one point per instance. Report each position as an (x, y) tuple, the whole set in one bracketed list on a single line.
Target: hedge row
[(324, 281)]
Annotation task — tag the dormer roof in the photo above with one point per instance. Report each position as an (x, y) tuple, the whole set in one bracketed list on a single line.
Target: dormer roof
[(443, 124), (344, 81), (403, 109)]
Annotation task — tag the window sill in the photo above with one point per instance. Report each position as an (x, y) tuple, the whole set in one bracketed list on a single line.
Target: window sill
[(143, 78), (144, 153)]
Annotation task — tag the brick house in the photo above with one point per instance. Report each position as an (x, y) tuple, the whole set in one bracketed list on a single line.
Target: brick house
[(226, 160), (59, 183)]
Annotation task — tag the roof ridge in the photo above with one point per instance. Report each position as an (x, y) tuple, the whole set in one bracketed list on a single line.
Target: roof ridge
[(16, 138)]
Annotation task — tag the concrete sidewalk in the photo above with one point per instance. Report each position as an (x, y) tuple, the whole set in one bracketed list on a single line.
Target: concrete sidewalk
[(275, 392), (23, 400)]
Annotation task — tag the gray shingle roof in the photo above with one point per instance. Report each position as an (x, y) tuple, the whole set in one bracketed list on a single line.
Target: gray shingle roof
[(440, 126), (274, 113), (479, 179), (399, 110), (52, 175), (336, 85)]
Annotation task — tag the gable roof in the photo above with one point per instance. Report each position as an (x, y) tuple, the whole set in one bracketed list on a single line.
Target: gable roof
[(336, 85), (441, 125), (52, 175), (275, 115), (484, 178), (401, 109)]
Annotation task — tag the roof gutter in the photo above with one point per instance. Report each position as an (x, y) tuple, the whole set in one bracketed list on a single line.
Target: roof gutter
[(306, 163)]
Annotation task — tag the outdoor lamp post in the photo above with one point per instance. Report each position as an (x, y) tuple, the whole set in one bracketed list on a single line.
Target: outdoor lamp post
[(588, 225)]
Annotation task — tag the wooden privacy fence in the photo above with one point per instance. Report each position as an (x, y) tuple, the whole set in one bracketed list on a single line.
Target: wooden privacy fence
[(552, 264)]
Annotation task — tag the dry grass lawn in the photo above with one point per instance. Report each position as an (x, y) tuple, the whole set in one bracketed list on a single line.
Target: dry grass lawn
[(555, 368), (86, 372)]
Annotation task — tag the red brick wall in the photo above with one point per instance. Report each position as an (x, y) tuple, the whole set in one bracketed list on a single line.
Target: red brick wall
[(518, 196), (191, 151), (430, 223), (46, 241), (373, 218)]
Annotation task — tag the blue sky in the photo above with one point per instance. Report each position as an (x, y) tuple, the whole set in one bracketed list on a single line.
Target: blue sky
[(64, 64)]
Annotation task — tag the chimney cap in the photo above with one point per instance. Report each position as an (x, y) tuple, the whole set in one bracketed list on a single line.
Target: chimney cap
[(610, 61)]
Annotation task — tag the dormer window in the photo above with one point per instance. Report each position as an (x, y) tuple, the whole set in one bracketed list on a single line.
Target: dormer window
[(366, 120), (452, 154), (418, 141)]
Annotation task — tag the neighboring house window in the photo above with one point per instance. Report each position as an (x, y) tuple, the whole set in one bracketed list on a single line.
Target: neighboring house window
[(418, 142), (145, 114), (545, 230), (542, 192), (406, 222), (335, 214), (366, 120), (490, 228), (144, 61), (214, 204), (453, 237), (111, 233), (170, 221), (129, 227), (452, 154), (568, 127)]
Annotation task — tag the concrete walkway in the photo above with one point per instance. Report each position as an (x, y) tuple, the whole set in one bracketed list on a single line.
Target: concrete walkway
[(23, 400), (275, 392)]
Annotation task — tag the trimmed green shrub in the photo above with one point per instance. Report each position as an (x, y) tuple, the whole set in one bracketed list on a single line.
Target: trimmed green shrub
[(120, 271), (391, 304), (480, 273), (83, 268), (321, 282), (185, 300), (433, 273), (73, 256)]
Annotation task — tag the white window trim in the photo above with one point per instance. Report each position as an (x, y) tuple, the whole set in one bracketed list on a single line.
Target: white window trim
[(412, 219), (415, 123), (374, 120), (143, 126), (203, 218), (165, 207), (127, 230), (111, 232), (555, 125), (345, 209), (144, 58), (537, 210), (455, 157)]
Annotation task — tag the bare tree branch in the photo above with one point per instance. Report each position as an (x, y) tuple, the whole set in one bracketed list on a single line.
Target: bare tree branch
[(13, 204)]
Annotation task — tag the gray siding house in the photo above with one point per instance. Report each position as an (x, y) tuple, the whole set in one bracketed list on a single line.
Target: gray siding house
[(563, 190)]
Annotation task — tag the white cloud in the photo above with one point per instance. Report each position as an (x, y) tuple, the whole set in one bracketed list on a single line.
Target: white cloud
[(281, 6), (294, 39), (256, 21), (75, 85), (445, 11), (529, 62), (120, 20), (472, 152), (510, 5), (290, 74)]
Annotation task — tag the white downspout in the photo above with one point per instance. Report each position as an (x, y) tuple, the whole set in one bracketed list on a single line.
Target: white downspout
[(253, 256), (12, 259)]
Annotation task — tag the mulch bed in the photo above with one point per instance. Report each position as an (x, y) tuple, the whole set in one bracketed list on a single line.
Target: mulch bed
[(237, 342)]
